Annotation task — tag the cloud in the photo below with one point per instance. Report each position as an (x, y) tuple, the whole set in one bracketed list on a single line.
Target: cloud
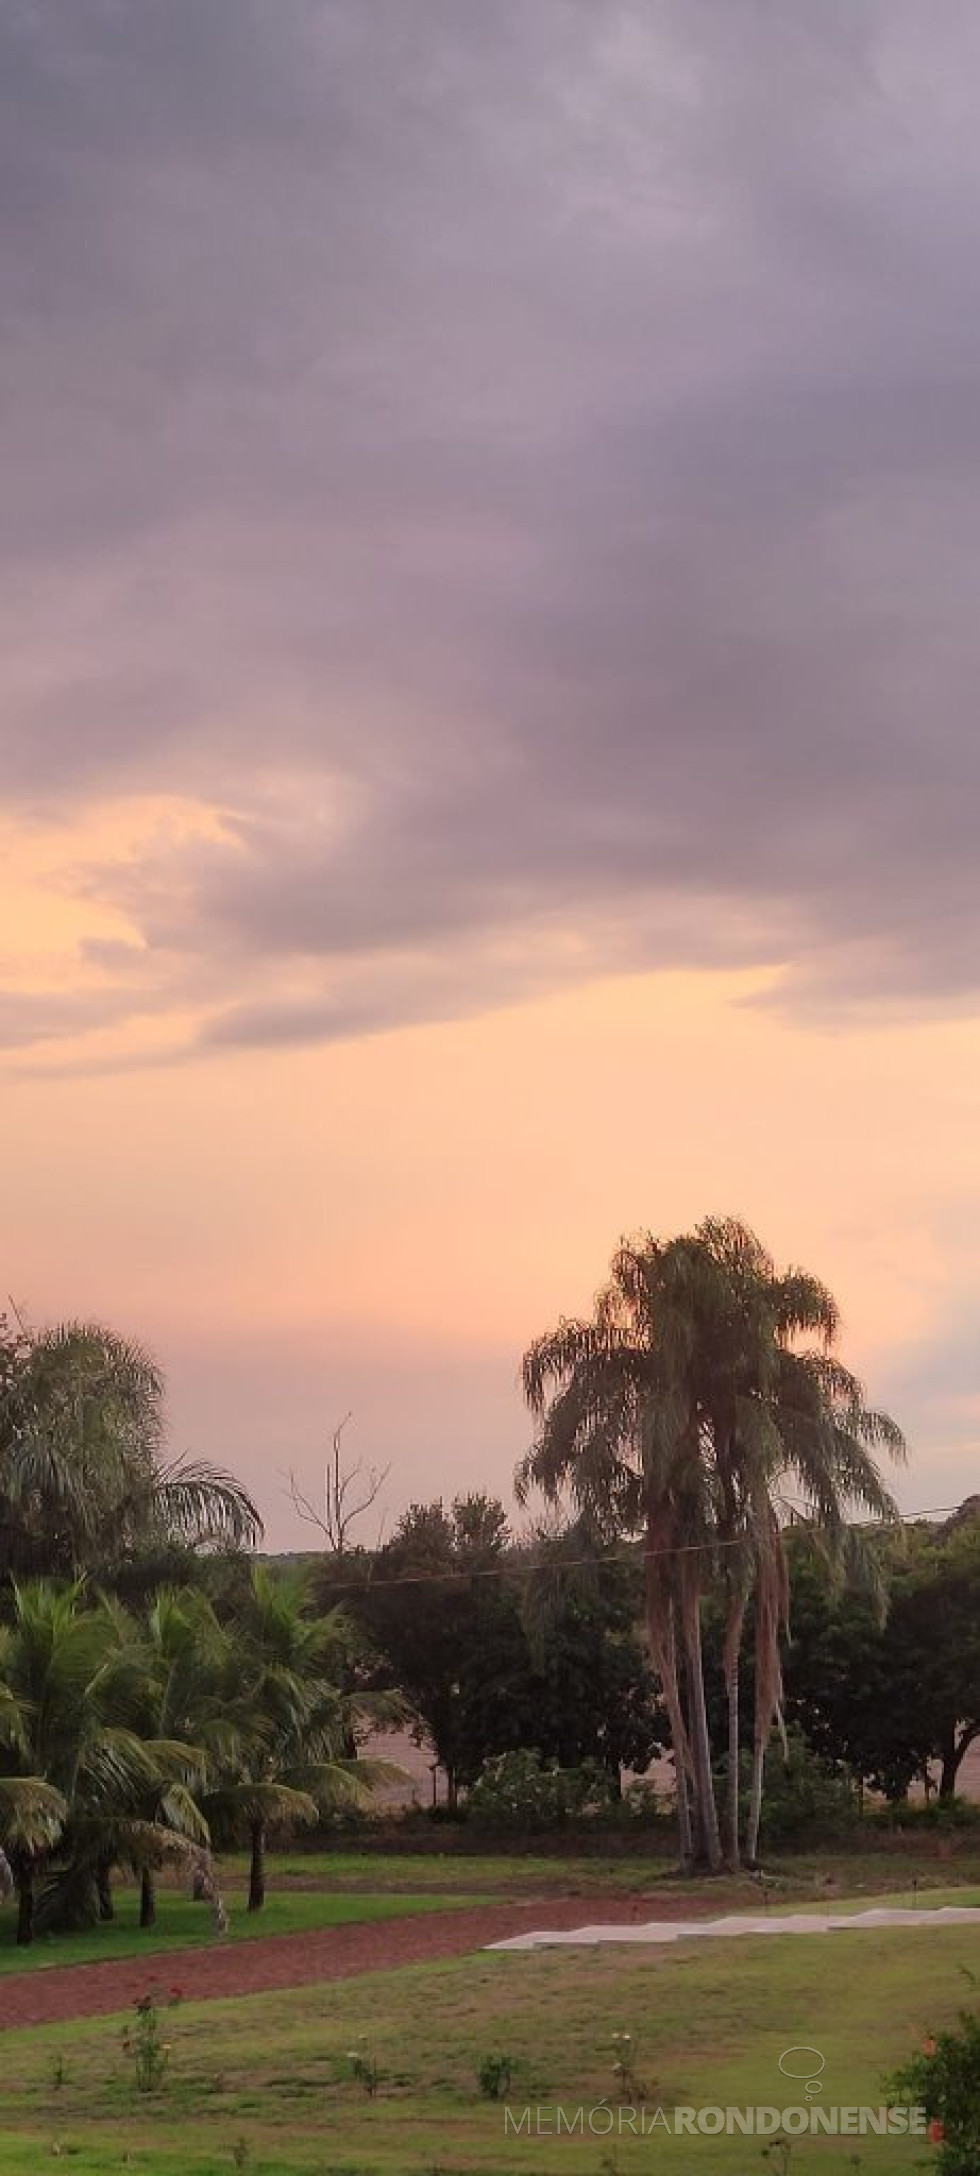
[(519, 468), (32, 1017)]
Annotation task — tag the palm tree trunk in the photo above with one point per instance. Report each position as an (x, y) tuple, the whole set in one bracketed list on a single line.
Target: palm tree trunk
[(661, 1641), (148, 1898), (107, 1909), (685, 1823), (734, 1751), (755, 1802), (706, 1811), (770, 1620), (25, 1908), (256, 1878), (733, 1645), (683, 1776)]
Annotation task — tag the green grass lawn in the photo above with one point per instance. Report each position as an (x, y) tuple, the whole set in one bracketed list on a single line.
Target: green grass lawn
[(503, 1873), (512, 1873), (182, 1924), (264, 2083)]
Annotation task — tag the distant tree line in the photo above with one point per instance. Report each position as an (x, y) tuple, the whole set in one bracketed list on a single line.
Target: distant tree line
[(719, 1562), (499, 1643)]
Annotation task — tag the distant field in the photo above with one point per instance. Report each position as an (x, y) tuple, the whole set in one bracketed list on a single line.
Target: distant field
[(417, 1787)]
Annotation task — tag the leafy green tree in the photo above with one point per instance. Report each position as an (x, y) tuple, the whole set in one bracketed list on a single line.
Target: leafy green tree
[(587, 1692), (936, 1622), (434, 1603), (501, 1646), (891, 1693)]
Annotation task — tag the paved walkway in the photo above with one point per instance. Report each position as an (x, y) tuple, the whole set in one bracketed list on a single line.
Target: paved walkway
[(680, 1930)]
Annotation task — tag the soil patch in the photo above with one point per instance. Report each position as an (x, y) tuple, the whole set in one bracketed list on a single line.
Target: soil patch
[(300, 1960)]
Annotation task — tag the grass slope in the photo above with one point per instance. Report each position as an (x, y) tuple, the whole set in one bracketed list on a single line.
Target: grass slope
[(264, 2083)]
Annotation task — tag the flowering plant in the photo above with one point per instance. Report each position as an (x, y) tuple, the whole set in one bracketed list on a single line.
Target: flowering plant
[(624, 2067), (144, 2043)]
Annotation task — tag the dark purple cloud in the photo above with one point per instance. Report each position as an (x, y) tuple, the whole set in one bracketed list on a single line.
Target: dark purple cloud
[(521, 464)]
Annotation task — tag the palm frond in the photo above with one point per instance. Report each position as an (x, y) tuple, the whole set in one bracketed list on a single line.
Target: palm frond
[(201, 1504), (32, 1813)]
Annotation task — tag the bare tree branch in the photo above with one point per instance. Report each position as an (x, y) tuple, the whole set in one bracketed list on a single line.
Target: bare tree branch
[(348, 1492)]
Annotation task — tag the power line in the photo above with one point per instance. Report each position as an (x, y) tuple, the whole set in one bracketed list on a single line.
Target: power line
[(454, 1576)]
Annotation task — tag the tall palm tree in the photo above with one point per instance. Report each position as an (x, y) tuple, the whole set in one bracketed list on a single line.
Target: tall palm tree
[(685, 1409), (82, 1464), (618, 1426), (742, 1317)]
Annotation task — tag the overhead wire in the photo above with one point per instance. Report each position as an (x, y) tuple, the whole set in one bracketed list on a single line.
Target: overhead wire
[(508, 1569)]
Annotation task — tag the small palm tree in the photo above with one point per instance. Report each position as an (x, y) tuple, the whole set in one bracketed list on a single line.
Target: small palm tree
[(289, 1716), (32, 1818), (184, 1656), (76, 1776)]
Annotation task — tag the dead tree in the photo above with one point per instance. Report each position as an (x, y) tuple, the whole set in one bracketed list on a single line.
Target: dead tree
[(348, 1492)]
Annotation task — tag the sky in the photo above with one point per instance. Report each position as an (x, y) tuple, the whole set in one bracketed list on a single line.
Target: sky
[(489, 650)]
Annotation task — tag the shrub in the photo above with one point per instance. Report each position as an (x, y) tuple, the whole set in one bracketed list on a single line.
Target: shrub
[(364, 2068), (641, 1801), (494, 2076), (144, 2045), (935, 1814), (805, 1795), (945, 2080), (519, 1791)]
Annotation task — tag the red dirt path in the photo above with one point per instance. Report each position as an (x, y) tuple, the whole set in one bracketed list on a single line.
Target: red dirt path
[(254, 1967)]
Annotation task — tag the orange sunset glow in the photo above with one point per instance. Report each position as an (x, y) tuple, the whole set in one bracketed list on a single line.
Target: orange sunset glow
[(489, 657)]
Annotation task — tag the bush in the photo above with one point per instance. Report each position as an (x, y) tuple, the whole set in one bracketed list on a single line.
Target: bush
[(519, 1791), (805, 1795), (945, 2081), (935, 1814), (494, 2076), (641, 1801)]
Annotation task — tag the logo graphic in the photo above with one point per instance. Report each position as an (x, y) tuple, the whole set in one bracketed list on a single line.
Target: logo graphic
[(804, 2065)]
